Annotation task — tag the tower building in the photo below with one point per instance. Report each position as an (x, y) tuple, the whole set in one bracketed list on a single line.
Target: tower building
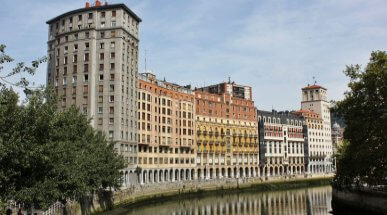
[(315, 107), (93, 55)]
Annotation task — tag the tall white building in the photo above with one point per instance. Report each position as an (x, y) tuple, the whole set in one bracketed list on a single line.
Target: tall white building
[(314, 100)]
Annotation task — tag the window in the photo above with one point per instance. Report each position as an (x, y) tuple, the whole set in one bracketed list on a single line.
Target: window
[(75, 68), (65, 60), (79, 17), (111, 133), (102, 45), (113, 24), (112, 44), (111, 88), (86, 57), (86, 67), (74, 79), (85, 89), (87, 34), (76, 36), (112, 66), (112, 33), (112, 77), (102, 24), (90, 15), (102, 34), (100, 88), (112, 55), (101, 56), (86, 46), (101, 77), (75, 47), (101, 67), (103, 14), (100, 109), (86, 78), (114, 13), (75, 58), (64, 81), (111, 98)]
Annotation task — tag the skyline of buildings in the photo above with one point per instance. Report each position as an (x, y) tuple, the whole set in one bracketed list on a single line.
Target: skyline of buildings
[(167, 132)]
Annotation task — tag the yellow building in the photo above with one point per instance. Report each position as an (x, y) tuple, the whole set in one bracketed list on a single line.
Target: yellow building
[(227, 140)]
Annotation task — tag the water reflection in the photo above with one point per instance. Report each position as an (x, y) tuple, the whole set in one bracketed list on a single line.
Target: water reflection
[(310, 201)]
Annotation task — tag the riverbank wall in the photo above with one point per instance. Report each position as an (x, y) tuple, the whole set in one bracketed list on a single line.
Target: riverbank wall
[(359, 201), (146, 194)]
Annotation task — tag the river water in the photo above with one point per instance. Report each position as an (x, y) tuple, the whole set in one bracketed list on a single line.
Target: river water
[(308, 201)]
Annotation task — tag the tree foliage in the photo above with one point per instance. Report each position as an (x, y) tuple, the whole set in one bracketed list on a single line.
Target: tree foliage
[(20, 68), (48, 155), (363, 158)]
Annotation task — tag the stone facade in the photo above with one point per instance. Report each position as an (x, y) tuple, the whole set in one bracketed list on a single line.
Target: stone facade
[(93, 58)]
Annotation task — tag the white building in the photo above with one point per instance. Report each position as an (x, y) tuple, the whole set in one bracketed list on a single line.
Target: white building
[(319, 142)]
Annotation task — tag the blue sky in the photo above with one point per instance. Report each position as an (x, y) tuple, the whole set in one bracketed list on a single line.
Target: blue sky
[(274, 46)]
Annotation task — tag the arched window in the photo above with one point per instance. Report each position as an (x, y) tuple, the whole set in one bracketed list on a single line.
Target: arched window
[(269, 119), (273, 120)]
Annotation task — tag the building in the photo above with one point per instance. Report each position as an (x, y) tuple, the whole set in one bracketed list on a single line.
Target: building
[(315, 109), (281, 143), (93, 55), (227, 139), (166, 122), (337, 137)]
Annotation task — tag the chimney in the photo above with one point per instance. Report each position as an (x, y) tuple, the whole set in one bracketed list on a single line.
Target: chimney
[(97, 3), (87, 4)]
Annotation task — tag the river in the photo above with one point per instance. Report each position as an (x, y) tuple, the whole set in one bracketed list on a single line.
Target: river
[(309, 201)]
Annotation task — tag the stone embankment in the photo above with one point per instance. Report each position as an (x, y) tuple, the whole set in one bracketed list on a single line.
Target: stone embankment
[(145, 194)]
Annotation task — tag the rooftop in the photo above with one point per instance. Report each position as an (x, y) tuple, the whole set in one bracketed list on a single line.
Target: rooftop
[(92, 8), (314, 86)]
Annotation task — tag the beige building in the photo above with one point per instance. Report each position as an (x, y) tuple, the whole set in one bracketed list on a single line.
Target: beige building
[(315, 107), (93, 58), (166, 125)]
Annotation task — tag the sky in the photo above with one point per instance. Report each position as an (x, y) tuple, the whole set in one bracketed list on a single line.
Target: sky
[(276, 46)]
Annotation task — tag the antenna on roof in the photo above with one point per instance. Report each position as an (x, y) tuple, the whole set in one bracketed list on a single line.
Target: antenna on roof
[(314, 80), (229, 79)]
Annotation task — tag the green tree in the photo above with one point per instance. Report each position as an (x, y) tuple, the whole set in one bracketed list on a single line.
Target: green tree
[(45, 154), (20, 68), (363, 159)]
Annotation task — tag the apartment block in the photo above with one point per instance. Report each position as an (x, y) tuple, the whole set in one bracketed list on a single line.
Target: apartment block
[(92, 64), (166, 122), (281, 143), (314, 99), (227, 139)]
